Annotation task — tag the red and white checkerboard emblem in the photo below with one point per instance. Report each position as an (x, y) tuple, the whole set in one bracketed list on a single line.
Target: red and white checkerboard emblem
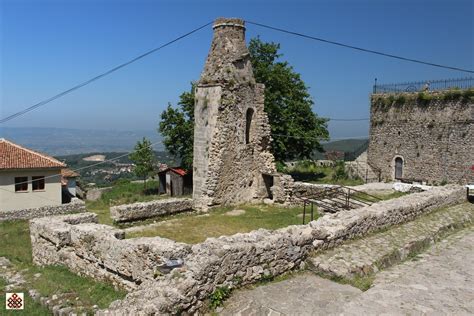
[(15, 301)]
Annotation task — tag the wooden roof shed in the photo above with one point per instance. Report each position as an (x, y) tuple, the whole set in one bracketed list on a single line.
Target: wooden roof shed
[(175, 182)]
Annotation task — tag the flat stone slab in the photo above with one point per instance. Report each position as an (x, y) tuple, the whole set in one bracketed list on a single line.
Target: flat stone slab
[(439, 282), (300, 295), (366, 256)]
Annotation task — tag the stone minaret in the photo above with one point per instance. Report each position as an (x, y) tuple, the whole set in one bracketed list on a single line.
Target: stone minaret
[(232, 162)]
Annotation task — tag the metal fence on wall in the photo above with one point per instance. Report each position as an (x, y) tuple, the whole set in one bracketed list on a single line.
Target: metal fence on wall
[(428, 85)]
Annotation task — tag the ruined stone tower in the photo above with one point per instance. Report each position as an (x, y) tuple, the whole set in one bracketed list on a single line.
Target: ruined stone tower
[(232, 162)]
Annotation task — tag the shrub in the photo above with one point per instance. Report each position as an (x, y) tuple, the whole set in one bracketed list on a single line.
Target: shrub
[(218, 297), (340, 172), (468, 95), (424, 98), (400, 100), (280, 166), (452, 95)]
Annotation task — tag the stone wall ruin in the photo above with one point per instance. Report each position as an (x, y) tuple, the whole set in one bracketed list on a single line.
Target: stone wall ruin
[(232, 133), (100, 251)]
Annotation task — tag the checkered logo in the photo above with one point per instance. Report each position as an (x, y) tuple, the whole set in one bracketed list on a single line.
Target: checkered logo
[(15, 301)]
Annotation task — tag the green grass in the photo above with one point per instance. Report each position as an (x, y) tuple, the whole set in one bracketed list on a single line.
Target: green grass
[(16, 246), (194, 228), (380, 196), (308, 172), (32, 308)]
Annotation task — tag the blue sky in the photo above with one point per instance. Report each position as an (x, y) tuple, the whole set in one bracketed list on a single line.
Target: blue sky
[(49, 46)]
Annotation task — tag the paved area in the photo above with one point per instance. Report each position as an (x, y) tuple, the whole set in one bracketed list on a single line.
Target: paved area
[(296, 296), (441, 282), (365, 256)]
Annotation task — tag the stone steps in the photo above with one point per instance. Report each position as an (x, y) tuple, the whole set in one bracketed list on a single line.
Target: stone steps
[(364, 257)]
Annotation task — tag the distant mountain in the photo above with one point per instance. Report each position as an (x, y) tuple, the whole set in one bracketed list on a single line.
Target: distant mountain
[(65, 141), (352, 147)]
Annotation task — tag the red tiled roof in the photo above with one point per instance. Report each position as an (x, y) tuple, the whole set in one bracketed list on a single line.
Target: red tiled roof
[(13, 156)]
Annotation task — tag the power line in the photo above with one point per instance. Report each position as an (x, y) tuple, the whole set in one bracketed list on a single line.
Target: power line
[(57, 96), (359, 48), (346, 119)]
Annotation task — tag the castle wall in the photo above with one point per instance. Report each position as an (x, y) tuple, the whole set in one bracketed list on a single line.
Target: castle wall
[(432, 133)]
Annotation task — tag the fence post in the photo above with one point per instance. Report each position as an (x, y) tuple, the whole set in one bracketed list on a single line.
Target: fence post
[(304, 210)]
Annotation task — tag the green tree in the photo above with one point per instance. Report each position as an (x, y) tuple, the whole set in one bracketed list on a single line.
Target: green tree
[(296, 130), (143, 158), (177, 128)]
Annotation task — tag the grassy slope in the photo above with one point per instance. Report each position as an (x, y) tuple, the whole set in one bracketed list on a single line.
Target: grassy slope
[(16, 246), (123, 193)]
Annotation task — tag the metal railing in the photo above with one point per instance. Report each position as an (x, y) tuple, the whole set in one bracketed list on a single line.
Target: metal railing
[(427, 85), (335, 199)]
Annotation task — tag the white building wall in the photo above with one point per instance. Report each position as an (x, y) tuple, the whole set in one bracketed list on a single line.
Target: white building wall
[(11, 200)]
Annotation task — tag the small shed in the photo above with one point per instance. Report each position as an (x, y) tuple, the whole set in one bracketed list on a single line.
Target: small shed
[(175, 181)]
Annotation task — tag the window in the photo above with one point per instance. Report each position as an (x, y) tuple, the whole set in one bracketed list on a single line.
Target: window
[(248, 125), (38, 183), (21, 184)]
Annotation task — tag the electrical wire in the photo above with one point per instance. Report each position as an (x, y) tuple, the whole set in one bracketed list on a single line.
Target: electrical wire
[(359, 48), (59, 95)]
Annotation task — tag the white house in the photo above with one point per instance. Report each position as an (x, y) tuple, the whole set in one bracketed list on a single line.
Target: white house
[(28, 179)]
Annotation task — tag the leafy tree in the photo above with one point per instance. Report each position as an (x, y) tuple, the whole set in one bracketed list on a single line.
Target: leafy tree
[(143, 158), (296, 130), (177, 128)]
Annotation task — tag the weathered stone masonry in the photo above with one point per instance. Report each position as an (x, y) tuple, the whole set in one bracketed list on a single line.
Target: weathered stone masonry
[(433, 137), (231, 134), (101, 252), (77, 206)]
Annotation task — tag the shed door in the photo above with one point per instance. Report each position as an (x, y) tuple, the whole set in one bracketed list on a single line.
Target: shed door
[(168, 183), (398, 168)]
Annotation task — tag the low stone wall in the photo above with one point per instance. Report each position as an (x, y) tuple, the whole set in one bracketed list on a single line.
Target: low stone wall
[(137, 211), (231, 261), (77, 206), (303, 189), (100, 251)]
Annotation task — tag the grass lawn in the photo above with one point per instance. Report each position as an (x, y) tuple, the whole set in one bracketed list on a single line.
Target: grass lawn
[(16, 246), (194, 228), (382, 196), (32, 308)]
